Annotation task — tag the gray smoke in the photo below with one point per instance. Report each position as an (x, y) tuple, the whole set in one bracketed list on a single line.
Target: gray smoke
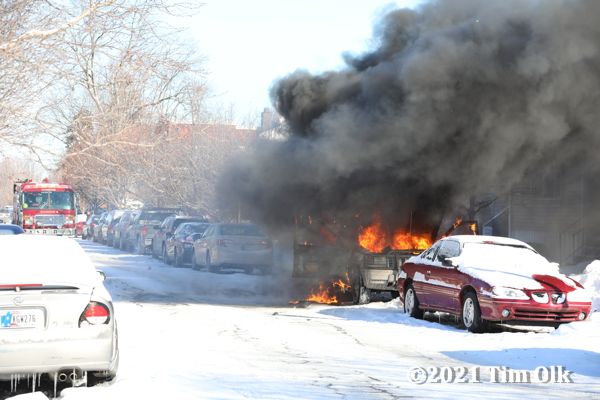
[(458, 97)]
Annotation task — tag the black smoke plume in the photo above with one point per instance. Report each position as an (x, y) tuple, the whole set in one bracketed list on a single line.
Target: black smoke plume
[(458, 96)]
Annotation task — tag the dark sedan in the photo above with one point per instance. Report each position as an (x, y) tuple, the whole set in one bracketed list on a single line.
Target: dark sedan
[(179, 246)]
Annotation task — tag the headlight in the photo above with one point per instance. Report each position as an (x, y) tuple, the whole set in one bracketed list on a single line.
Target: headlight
[(508, 293), (28, 222), (579, 296)]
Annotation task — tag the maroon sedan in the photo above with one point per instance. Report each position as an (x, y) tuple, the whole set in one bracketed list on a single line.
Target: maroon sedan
[(489, 278)]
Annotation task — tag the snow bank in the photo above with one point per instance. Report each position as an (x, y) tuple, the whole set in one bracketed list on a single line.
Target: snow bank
[(590, 279), (46, 260)]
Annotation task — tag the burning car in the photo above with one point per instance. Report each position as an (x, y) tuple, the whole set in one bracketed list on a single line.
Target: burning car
[(491, 279)]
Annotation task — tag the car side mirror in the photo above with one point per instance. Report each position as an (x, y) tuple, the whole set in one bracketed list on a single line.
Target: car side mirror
[(448, 263), (102, 275)]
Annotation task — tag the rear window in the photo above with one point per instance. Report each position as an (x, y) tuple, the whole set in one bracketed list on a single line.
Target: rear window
[(241, 230), (154, 216), (180, 221)]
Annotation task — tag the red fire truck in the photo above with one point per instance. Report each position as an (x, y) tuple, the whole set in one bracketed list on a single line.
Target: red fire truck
[(44, 208)]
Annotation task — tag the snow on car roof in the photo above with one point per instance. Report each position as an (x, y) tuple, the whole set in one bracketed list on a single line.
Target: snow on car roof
[(488, 239), (45, 260)]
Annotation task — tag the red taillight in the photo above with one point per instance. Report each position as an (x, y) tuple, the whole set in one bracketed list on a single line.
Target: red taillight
[(267, 243), (224, 242), (95, 314), (144, 231), (93, 224), (111, 228), (172, 231), (189, 239)]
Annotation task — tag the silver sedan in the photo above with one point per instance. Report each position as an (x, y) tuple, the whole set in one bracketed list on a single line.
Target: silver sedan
[(238, 246), (56, 316)]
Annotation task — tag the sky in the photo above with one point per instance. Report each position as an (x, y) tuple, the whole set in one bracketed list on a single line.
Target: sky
[(251, 43)]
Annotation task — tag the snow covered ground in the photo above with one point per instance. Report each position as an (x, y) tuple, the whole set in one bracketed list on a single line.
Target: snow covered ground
[(195, 335)]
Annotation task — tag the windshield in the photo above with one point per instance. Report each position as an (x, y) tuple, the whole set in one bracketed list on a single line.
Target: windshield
[(502, 257), (48, 201), (241, 230)]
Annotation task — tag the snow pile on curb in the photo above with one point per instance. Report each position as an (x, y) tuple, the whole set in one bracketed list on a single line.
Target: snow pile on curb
[(590, 279)]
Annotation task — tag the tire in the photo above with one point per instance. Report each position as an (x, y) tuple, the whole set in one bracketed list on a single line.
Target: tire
[(121, 242), (209, 266), (114, 243), (165, 256), (94, 239), (140, 249), (195, 266), (360, 294), (411, 303), (471, 313), (154, 255), (176, 260), (83, 237), (394, 294)]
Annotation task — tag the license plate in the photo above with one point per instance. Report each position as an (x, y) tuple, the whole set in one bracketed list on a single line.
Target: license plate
[(248, 247), (26, 318)]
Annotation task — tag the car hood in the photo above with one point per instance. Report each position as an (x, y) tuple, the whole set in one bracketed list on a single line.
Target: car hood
[(524, 277)]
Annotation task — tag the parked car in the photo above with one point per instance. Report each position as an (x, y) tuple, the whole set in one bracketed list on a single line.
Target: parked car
[(80, 221), (166, 230), (238, 246), (108, 229), (120, 228), (10, 229), (139, 235), (178, 247), (98, 228), (87, 232), (56, 316), (5, 216), (490, 279)]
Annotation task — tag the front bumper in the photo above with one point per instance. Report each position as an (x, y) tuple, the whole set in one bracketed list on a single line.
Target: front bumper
[(529, 312), (51, 231)]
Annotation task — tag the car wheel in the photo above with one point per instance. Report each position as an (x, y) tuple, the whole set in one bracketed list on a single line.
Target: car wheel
[(176, 260), (114, 243), (195, 266), (83, 237), (120, 246), (471, 313), (153, 250), (165, 256), (140, 248), (209, 266), (95, 239), (411, 303), (360, 294)]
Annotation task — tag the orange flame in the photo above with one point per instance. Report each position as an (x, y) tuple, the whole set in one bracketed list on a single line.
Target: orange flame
[(404, 240), (376, 237), (473, 227), (326, 293)]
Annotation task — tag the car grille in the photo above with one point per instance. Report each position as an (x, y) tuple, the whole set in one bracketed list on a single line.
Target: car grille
[(49, 220), (546, 315)]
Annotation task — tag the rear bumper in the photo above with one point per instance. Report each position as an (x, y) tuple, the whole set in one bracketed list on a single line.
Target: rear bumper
[(87, 354), (224, 257), (529, 312)]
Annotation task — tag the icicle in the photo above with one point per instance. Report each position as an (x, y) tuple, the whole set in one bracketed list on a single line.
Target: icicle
[(39, 379), (73, 380), (55, 381), (85, 381), (33, 381), (11, 382)]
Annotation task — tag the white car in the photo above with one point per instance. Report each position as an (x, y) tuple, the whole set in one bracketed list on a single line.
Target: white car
[(56, 316)]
